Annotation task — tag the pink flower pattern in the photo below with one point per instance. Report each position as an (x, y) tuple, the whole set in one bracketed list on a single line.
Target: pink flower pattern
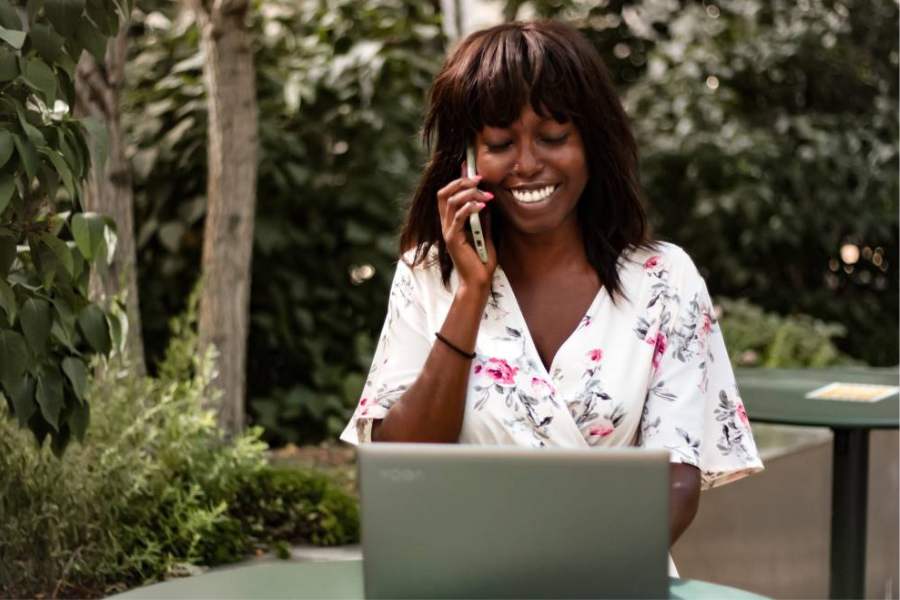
[(500, 371), (659, 343), (595, 355), (601, 430)]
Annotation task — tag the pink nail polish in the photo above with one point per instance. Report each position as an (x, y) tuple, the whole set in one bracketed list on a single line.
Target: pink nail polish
[(488, 195)]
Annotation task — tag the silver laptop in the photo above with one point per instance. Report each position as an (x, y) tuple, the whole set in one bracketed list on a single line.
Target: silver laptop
[(461, 521)]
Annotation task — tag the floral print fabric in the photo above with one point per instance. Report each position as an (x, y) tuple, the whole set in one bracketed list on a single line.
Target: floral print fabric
[(650, 370)]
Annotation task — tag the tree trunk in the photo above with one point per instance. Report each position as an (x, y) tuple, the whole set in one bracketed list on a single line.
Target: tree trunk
[(231, 197), (107, 189)]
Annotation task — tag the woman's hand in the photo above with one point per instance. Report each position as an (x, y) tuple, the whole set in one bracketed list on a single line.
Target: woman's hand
[(456, 201)]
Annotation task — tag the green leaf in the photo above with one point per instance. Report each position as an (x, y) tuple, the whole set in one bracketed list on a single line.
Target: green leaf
[(59, 441), (95, 329), (76, 371), (9, 66), (7, 254), (7, 188), (9, 18), (92, 40), (49, 394), (29, 157), (47, 42), (6, 147), (13, 357), (65, 15), (62, 168), (62, 252), (36, 321), (79, 420), (41, 77), (87, 229), (8, 301), (34, 134), (21, 392), (106, 20), (14, 38)]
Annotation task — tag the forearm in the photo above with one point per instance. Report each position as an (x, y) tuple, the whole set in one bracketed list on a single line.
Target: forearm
[(684, 498), (432, 408)]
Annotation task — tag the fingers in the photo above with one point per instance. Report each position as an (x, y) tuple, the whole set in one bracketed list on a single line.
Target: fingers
[(452, 195), (455, 233)]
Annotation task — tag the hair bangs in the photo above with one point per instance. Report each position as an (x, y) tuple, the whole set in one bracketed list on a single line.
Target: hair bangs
[(515, 67)]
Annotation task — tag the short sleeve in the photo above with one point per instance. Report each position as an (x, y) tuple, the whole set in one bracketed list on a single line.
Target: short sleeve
[(693, 406), (399, 356)]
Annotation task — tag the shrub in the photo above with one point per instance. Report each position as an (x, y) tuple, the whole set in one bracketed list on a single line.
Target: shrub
[(756, 338), (155, 487)]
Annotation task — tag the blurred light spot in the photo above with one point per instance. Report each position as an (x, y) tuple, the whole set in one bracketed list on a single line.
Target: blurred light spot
[(841, 10), (865, 277), (713, 11), (848, 269), (712, 82), (803, 5), (829, 40), (880, 282), (831, 281), (850, 254), (621, 50), (867, 253), (361, 273), (833, 264), (340, 147), (877, 258)]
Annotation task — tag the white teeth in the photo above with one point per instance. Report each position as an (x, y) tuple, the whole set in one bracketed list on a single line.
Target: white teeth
[(533, 196)]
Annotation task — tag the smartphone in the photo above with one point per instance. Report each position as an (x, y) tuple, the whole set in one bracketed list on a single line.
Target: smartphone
[(474, 220)]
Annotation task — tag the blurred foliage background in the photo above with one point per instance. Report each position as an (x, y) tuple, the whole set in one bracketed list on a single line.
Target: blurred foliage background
[(768, 132)]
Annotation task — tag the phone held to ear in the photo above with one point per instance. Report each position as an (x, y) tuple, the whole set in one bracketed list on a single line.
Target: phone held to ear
[(474, 220)]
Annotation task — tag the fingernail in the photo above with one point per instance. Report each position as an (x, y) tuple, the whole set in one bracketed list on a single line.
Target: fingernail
[(481, 205), (477, 178), (488, 195)]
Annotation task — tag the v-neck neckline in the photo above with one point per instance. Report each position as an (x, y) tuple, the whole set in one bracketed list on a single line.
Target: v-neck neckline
[(526, 331)]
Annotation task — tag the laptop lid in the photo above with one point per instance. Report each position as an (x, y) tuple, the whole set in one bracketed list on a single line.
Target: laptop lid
[(466, 521)]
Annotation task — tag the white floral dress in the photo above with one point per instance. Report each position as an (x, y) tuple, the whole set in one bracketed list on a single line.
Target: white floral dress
[(651, 370)]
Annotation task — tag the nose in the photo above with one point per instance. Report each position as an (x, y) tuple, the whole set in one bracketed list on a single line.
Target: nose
[(527, 163)]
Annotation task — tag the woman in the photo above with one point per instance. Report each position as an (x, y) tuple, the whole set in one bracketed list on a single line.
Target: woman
[(580, 330)]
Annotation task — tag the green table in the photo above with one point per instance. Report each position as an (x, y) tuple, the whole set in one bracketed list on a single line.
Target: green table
[(777, 396), (338, 579)]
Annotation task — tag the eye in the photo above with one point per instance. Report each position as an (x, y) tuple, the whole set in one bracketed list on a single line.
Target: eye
[(557, 140), (498, 147)]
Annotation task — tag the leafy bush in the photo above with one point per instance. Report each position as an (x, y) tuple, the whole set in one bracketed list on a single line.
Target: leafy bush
[(155, 487), (756, 338)]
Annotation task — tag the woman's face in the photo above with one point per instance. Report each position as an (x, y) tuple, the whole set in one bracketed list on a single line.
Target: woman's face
[(536, 170)]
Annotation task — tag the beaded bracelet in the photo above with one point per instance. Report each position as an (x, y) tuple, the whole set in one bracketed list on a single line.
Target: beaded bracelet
[(458, 349)]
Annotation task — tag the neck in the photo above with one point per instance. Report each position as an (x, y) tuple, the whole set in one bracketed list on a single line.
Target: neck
[(532, 255)]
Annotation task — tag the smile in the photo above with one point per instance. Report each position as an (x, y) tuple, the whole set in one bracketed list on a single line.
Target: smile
[(534, 196)]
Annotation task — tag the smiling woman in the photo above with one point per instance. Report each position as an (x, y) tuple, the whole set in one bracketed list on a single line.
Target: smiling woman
[(579, 331)]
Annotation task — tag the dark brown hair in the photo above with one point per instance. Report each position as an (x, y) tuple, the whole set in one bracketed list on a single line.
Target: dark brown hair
[(487, 80)]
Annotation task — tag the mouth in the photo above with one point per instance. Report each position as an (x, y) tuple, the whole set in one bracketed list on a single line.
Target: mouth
[(535, 196)]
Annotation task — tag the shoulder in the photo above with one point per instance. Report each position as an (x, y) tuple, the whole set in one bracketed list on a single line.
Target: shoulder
[(426, 275), (662, 261), (662, 256)]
